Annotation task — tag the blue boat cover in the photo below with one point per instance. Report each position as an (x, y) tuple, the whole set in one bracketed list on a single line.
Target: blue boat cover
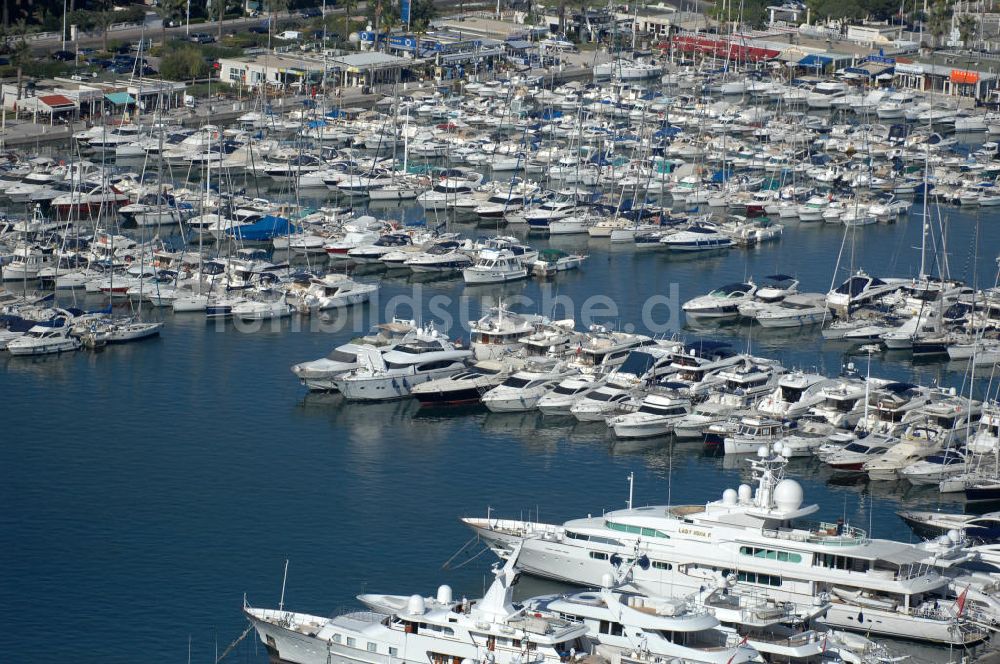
[(265, 229)]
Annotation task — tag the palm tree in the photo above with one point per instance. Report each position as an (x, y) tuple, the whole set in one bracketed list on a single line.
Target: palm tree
[(103, 21), (939, 19), (967, 29), (168, 10), (348, 6)]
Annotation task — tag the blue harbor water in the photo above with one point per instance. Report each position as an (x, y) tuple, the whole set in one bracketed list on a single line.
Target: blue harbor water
[(149, 487)]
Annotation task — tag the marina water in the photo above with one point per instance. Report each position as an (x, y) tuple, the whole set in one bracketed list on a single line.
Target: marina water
[(149, 486)]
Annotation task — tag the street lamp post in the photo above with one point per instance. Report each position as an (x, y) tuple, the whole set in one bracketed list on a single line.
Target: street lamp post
[(64, 26)]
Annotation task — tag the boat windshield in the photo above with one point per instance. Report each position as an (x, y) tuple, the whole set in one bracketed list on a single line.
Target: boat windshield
[(731, 289), (516, 382)]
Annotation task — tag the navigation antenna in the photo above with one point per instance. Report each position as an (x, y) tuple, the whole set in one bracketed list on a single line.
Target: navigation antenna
[(631, 486), (284, 578)]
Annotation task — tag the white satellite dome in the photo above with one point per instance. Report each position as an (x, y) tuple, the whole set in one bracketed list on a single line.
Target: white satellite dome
[(415, 605), (444, 595), (745, 493), (788, 495), (607, 581), (730, 497), (954, 536)]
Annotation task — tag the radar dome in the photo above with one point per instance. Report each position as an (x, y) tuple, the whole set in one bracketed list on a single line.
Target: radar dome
[(943, 540), (954, 536), (415, 605), (730, 497), (745, 493), (788, 495), (762, 452), (778, 447), (444, 594)]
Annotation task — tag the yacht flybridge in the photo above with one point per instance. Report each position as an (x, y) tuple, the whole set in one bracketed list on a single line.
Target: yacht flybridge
[(758, 536)]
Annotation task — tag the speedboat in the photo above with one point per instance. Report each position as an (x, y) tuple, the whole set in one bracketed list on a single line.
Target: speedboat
[(464, 387), (697, 237), (44, 339), (560, 400), (933, 469), (852, 457), (723, 302), (521, 391), (441, 257), (654, 416), (372, 253), (797, 310), (860, 289)]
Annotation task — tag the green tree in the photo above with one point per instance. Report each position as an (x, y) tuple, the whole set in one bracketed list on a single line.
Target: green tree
[(169, 10), (422, 12), (939, 19), (968, 28), (183, 64), (103, 21)]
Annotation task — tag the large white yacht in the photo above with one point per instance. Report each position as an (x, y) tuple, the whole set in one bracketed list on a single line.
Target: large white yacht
[(877, 586), (418, 630), (392, 373), (320, 375)]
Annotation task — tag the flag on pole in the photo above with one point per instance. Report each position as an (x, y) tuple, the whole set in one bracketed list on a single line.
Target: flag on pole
[(960, 602), (737, 650)]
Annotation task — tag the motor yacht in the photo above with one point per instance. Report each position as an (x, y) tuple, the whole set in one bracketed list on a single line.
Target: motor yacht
[(392, 373), (495, 267), (320, 375), (466, 386), (722, 302), (44, 339), (521, 390), (654, 416), (874, 586), (417, 630)]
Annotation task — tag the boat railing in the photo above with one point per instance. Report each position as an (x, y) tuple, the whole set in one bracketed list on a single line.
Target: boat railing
[(821, 532)]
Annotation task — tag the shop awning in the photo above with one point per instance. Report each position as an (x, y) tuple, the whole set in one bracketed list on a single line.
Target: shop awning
[(815, 60), (57, 102), (119, 98)]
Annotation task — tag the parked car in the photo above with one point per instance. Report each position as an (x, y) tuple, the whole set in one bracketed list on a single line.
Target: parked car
[(64, 56), (310, 12), (201, 38), (260, 29)]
